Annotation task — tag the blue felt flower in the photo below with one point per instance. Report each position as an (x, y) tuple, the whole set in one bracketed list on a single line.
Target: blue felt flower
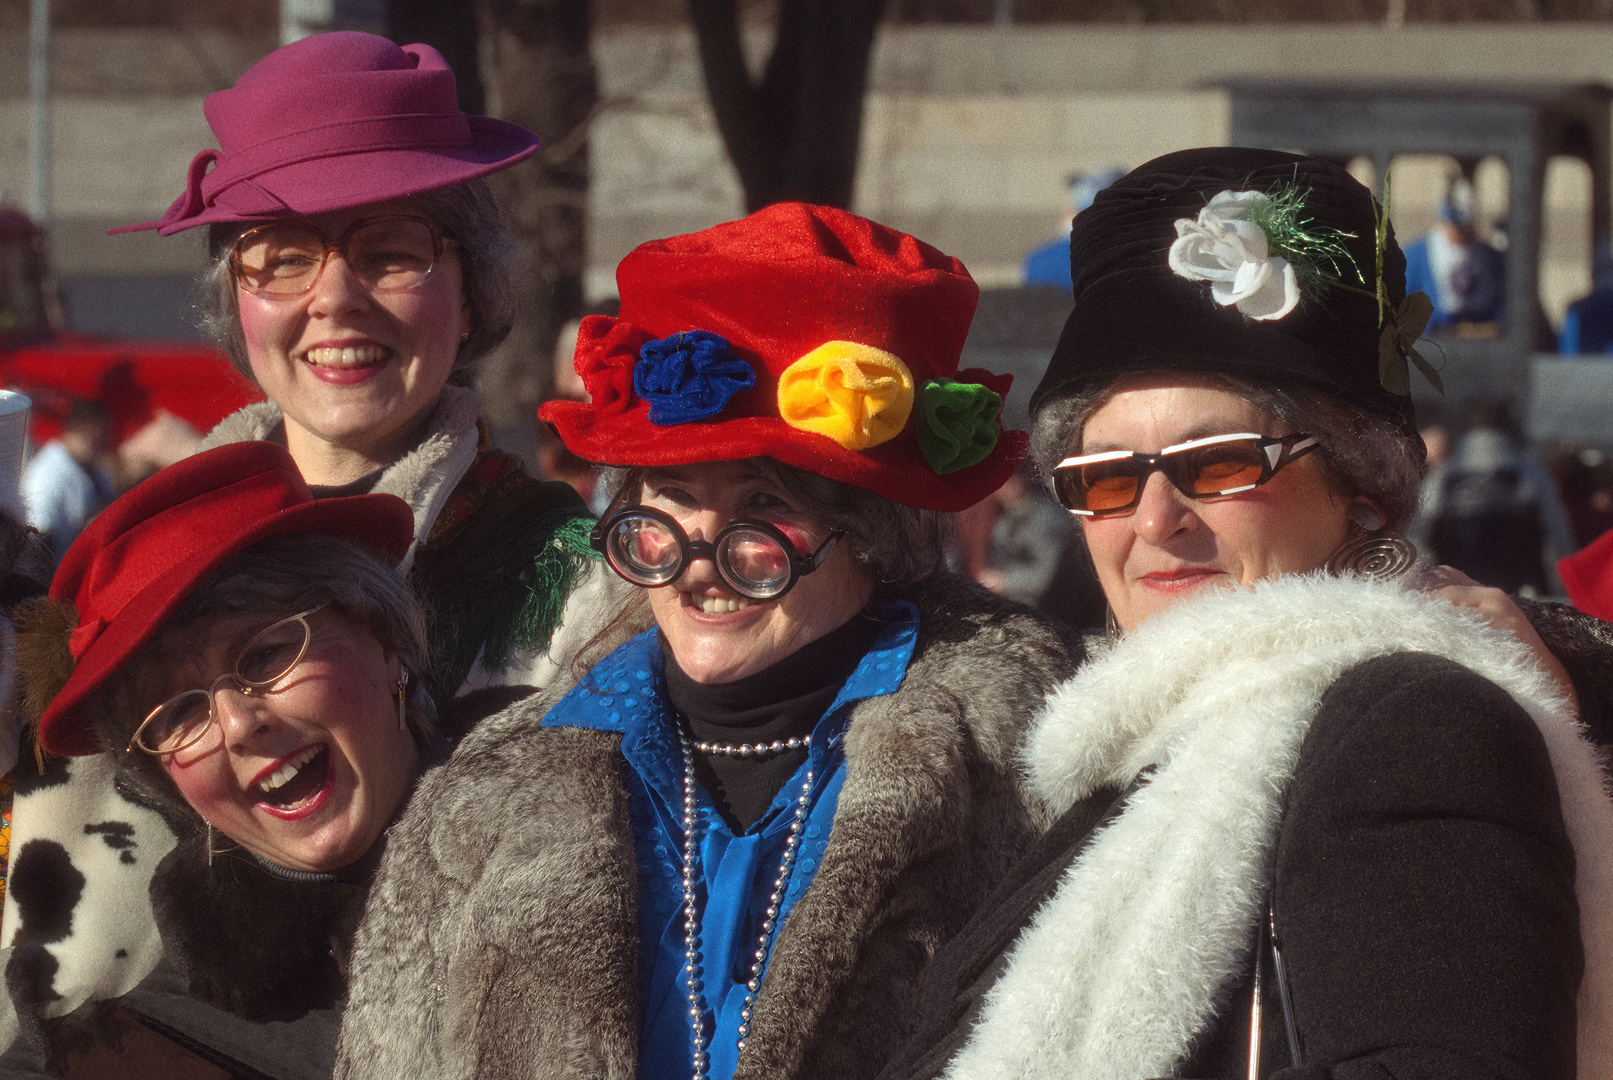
[(689, 376)]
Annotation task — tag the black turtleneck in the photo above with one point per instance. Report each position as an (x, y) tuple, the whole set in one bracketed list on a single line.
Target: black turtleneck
[(782, 701)]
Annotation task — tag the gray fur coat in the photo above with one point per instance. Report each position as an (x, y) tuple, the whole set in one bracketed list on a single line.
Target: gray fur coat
[(501, 936)]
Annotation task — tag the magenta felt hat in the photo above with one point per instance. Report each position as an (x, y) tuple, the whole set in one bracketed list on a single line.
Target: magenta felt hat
[(335, 121), (138, 560)]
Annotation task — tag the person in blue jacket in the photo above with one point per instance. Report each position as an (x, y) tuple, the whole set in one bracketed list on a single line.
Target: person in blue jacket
[(1464, 277), (1050, 263)]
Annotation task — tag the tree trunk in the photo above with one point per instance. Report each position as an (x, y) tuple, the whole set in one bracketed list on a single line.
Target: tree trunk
[(451, 30), (796, 134), (537, 72)]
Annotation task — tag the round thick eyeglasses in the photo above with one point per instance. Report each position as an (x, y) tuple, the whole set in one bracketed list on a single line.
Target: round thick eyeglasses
[(648, 547), (388, 254), (268, 656), (1110, 483)]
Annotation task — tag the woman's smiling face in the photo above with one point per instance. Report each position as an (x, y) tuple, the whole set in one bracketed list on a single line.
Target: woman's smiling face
[(354, 371), (1171, 547), (307, 774), (717, 635)]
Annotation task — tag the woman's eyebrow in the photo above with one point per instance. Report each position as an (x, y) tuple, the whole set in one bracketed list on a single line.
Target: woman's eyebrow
[(1201, 430)]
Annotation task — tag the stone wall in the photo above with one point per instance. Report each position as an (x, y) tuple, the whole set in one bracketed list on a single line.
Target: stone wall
[(970, 131)]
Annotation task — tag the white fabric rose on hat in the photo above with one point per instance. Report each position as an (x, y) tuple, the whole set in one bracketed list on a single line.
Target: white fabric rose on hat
[(1227, 249)]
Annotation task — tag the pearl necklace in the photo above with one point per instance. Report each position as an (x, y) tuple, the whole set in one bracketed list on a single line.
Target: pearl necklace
[(691, 914), (761, 749)]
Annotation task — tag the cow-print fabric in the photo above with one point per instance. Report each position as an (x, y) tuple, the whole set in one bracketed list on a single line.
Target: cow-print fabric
[(77, 924)]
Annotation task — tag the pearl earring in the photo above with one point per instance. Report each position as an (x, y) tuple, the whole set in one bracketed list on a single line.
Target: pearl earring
[(1367, 517)]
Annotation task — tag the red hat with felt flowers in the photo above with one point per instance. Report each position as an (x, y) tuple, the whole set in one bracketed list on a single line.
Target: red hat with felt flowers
[(803, 334), (142, 556)]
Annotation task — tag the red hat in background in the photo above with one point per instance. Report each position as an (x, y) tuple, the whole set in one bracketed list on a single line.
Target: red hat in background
[(1588, 576), (138, 560), (803, 334), (335, 121)]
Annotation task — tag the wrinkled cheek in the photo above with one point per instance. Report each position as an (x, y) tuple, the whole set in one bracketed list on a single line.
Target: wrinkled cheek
[(199, 784), (794, 535), (1101, 549)]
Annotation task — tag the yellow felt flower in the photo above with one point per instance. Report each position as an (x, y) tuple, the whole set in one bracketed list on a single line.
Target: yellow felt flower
[(857, 395)]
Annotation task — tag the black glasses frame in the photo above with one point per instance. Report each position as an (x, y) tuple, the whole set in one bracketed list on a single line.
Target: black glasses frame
[(1275, 454), (690, 550)]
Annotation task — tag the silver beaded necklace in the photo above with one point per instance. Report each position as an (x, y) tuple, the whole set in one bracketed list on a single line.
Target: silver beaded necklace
[(759, 749), (691, 913)]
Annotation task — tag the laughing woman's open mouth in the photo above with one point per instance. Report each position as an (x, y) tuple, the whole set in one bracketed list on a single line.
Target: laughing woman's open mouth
[(299, 785)]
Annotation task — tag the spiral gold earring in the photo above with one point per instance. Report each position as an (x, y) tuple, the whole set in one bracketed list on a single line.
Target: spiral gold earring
[(1377, 558)]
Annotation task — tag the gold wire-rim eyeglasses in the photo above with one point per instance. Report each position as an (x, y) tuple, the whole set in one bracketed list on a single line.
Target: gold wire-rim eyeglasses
[(251, 687), (255, 282)]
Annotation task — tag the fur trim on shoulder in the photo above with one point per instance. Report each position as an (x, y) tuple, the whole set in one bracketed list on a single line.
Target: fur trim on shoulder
[(930, 817), (247, 424), (424, 477), (1120, 713), (1217, 694), (44, 660)]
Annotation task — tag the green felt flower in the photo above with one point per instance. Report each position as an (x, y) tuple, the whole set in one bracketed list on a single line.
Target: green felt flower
[(956, 424), (1398, 344)]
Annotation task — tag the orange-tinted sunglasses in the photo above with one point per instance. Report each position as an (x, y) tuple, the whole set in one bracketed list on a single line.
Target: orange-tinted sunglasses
[(1110, 483)]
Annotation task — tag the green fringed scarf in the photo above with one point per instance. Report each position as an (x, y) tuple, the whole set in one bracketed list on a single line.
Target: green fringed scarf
[(498, 582)]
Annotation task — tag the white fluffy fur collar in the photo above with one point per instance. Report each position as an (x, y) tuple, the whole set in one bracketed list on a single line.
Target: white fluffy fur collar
[(423, 478), (1218, 694)]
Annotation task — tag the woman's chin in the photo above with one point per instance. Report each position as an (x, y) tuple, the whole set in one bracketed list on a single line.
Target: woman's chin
[(319, 855), (713, 667), (1154, 596), (322, 838)]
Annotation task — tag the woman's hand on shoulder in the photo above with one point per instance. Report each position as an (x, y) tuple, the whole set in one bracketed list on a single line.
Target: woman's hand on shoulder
[(1451, 585)]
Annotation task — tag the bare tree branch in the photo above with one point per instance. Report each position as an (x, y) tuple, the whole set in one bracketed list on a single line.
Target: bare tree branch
[(539, 73), (794, 136)]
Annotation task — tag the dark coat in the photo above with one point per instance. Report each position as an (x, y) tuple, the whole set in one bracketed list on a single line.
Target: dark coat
[(1424, 880), (501, 938)]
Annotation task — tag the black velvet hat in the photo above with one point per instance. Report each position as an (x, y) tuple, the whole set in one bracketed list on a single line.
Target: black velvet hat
[(1179, 266)]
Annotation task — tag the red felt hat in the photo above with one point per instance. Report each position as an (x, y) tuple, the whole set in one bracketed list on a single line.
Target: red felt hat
[(335, 121), (135, 563), (803, 334), (1588, 576)]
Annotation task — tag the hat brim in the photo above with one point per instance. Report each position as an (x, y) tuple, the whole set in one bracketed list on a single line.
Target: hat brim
[(344, 181), (382, 524), (890, 470)]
